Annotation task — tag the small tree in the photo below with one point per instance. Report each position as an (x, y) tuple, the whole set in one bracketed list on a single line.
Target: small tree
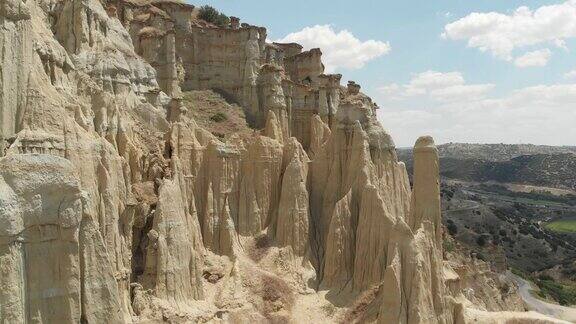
[(481, 240), (211, 15), (452, 228)]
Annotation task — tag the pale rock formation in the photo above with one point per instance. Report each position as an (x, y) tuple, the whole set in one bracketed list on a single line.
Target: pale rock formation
[(485, 289), (272, 128), (271, 97), (353, 88), (259, 185), (304, 66), (176, 110), (340, 243), (319, 134), (100, 295), (102, 48), (217, 179), (203, 70), (16, 57), (154, 38), (293, 214), (173, 266), (425, 221), (260, 76), (50, 246), (425, 200), (328, 96)]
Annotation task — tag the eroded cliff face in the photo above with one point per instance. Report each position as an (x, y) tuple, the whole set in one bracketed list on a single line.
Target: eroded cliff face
[(115, 206)]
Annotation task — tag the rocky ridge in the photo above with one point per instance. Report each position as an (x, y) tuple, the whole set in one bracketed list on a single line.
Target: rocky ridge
[(497, 152), (117, 207), (535, 165)]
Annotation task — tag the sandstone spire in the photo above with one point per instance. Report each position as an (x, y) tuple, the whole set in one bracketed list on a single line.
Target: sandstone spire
[(426, 196), (272, 128), (292, 222)]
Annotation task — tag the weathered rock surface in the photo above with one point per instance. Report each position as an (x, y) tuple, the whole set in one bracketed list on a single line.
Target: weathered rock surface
[(115, 206)]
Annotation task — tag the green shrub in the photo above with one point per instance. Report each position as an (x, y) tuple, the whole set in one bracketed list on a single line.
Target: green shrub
[(564, 295), (481, 240), (481, 256), (219, 117), (449, 245), (520, 273), (219, 135), (452, 228), (211, 15)]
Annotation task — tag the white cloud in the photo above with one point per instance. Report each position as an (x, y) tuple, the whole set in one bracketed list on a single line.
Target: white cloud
[(430, 80), (461, 92), (534, 58), (340, 49), (501, 34), (560, 43), (570, 74), (467, 113), (448, 86)]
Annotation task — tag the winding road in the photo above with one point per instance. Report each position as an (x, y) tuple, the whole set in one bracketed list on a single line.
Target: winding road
[(540, 306), (472, 205)]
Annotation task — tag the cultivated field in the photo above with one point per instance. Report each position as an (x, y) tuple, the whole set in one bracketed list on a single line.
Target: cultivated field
[(564, 225)]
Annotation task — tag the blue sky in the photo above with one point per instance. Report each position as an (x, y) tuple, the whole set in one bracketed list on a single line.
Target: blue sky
[(467, 86)]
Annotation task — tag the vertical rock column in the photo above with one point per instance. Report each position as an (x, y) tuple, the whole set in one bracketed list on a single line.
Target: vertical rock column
[(172, 263), (413, 290), (293, 213), (426, 197), (426, 302), (259, 185), (168, 78), (271, 98), (16, 51)]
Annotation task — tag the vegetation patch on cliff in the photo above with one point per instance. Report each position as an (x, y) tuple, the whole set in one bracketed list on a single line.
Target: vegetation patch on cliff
[(211, 111), (211, 15)]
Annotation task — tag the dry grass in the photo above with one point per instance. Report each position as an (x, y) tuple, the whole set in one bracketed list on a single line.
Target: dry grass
[(360, 306), (276, 296), (212, 112), (258, 248)]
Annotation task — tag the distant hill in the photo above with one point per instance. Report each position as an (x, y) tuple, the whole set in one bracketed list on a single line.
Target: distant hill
[(549, 166), (498, 152)]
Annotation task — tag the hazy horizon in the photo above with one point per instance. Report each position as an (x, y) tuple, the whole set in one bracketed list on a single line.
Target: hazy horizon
[(440, 144)]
